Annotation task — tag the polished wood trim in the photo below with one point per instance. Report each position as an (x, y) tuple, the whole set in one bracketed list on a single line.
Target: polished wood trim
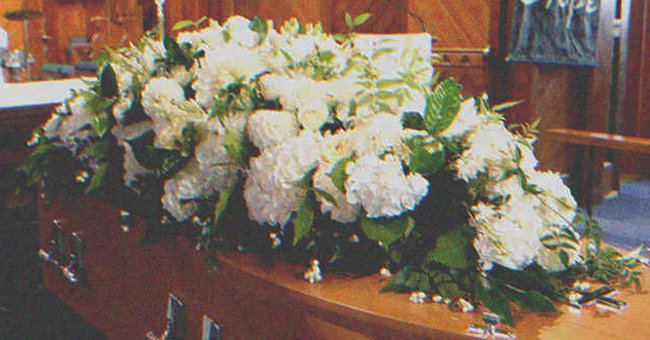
[(599, 139)]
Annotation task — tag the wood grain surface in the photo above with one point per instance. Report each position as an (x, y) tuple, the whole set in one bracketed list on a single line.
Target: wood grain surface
[(253, 299)]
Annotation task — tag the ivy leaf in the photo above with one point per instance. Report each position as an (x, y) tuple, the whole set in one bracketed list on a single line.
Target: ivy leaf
[(108, 82), (452, 248), (532, 301), (259, 25), (303, 221), (442, 106), (412, 120), (496, 302), (361, 19), (425, 162), (387, 232), (338, 174)]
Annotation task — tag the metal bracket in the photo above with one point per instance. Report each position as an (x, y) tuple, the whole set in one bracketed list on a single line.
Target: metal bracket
[(490, 329), (211, 331), (57, 245), (75, 270), (175, 320)]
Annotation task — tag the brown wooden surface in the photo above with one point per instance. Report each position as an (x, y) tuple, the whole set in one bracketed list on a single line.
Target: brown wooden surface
[(129, 282), (599, 139)]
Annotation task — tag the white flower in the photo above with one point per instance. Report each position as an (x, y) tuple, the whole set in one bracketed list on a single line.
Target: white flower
[(507, 234), (240, 32), (340, 211), (550, 259), (214, 162), (382, 188), (159, 94), (467, 119), (270, 190), (491, 148), (267, 128), (51, 126), (132, 168), (313, 274), (208, 38), (376, 134), (78, 119), (417, 297), (559, 206), (223, 66)]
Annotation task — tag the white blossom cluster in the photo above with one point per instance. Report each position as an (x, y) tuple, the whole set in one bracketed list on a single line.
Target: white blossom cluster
[(511, 221), (314, 112)]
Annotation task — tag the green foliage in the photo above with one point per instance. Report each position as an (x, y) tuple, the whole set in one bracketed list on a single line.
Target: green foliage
[(412, 120), (237, 147), (493, 299), (387, 231), (442, 106), (303, 221), (185, 24), (177, 55), (338, 174), (108, 82), (261, 27), (505, 106), (425, 162), (453, 248), (532, 301)]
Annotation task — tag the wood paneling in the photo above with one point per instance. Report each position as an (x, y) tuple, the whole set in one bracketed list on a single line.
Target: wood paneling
[(636, 112), (14, 28), (463, 24)]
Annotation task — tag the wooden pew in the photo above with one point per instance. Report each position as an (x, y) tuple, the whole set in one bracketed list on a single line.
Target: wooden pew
[(591, 140)]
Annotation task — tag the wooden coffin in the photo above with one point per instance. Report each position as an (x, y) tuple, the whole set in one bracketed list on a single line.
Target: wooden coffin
[(128, 284)]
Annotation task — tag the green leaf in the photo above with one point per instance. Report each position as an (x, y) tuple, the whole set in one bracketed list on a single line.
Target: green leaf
[(236, 148), (412, 120), (532, 301), (108, 82), (496, 302), (449, 290), (339, 37), (175, 54), (442, 106), (101, 123), (183, 24), (326, 196), (98, 150), (452, 248), (387, 232), (398, 281), (349, 21), (98, 179), (361, 19), (259, 25), (425, 162), (303, 221), (224, 198), (505, 106), (338, 174)]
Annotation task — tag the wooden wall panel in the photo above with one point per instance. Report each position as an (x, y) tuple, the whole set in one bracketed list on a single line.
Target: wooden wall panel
[(14, 28), (462, 24)]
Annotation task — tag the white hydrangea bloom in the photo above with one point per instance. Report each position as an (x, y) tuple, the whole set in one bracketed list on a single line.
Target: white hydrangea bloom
[(132, 168), (77, 119), (208, 38), (160, 93), (214, 162), (268, 128), (508, 234), (382, 188), (559, 206), (223, 66), (51, 126), (343, 211), (240, 32), (270, 190), (376, 134), (468, 119), (491, 148)]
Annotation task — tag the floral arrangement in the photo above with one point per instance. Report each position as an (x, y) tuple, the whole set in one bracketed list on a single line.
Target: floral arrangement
[(341, 152)]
